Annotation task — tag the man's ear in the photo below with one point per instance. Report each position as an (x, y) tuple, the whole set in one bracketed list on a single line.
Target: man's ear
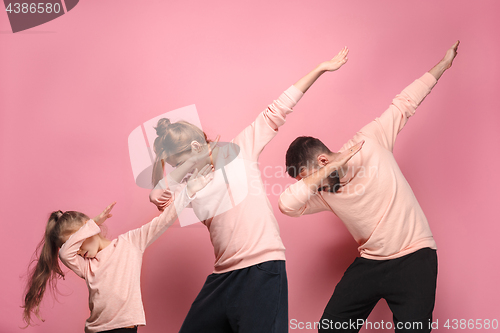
[(196, 146), (322, 160)]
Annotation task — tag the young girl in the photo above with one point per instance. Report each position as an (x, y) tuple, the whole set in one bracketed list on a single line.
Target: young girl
[(247, 291), (110, 268)]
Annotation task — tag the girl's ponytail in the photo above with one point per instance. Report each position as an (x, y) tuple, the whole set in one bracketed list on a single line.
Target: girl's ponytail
[(47, 269)]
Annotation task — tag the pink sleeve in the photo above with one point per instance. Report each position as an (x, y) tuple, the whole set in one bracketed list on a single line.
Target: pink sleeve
[(385, 128), (162, 195), (255, 137), (68, 252), (298, 200), (144, 236), (161, 198)]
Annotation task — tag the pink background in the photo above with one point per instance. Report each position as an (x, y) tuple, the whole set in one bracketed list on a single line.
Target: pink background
[(72, 90)]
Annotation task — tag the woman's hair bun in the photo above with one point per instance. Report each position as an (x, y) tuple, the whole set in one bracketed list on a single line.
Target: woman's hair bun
[(161, 127), (57, 214)]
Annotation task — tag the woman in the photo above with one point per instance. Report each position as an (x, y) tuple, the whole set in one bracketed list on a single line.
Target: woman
[(247, 291)]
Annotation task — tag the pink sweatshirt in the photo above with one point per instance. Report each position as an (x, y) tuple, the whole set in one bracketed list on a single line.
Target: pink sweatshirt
[(375, 202), (234, 206), (113, 276)]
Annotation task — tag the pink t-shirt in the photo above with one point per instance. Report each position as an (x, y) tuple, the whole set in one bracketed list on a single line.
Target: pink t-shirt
[(375, 202), (113, 276), (234, 206)]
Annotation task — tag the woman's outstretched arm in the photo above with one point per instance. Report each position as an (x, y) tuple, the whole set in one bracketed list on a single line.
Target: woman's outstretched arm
[(328, 66)]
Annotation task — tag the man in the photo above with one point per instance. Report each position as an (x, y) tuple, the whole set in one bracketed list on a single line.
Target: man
[(371, 196)]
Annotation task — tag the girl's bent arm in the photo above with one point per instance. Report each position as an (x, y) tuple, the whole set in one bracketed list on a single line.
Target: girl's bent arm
[(68, 252)]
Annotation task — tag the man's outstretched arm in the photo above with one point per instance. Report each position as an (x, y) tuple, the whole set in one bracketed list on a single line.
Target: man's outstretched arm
[(386, 127), (446, 62)]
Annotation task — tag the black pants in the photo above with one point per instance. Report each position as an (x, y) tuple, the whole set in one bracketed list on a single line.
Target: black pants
[(408, 284), (122, 330), (248, 300)]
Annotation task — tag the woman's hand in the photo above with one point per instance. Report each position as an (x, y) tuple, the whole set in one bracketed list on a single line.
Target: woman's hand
[(328, 66), (99, 219), (199, 180), (336, 62)]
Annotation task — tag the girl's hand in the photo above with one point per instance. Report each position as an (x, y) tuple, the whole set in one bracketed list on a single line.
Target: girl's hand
[(337, 61), (99, 219), (199, 180)]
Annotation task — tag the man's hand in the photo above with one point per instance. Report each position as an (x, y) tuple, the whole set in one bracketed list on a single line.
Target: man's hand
[(342, 158), (445, 63), (99, 219), (320, 179), (450, 55)]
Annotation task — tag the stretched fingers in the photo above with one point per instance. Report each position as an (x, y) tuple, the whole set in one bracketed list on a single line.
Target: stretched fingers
[(108, 209), (216, 140), (349, 153), (205, 170), (343, 53)]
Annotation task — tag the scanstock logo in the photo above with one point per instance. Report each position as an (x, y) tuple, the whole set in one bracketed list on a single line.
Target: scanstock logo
[(28, 14)]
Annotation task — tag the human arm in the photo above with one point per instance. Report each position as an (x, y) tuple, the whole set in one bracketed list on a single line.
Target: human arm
[(316, 179), (69, 250), (302, 197), (299, 199), (445, 63), (255, 137), (174, 181), (199, 180), (148, 233), (386, 127), (327, 66), (162, 195), (106, 214), (180, 172)]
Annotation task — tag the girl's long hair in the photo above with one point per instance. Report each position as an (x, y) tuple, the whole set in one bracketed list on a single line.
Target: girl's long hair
[(47, 269), (173, 139)]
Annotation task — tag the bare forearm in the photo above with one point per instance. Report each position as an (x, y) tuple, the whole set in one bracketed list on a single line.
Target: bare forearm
[(314, 181), (334, 163), (438, 70), (181, 171), (445, 63), (307, 81), (327, 66)]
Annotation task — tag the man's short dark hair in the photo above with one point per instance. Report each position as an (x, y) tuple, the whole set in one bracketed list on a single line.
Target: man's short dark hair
[(302, 153)]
